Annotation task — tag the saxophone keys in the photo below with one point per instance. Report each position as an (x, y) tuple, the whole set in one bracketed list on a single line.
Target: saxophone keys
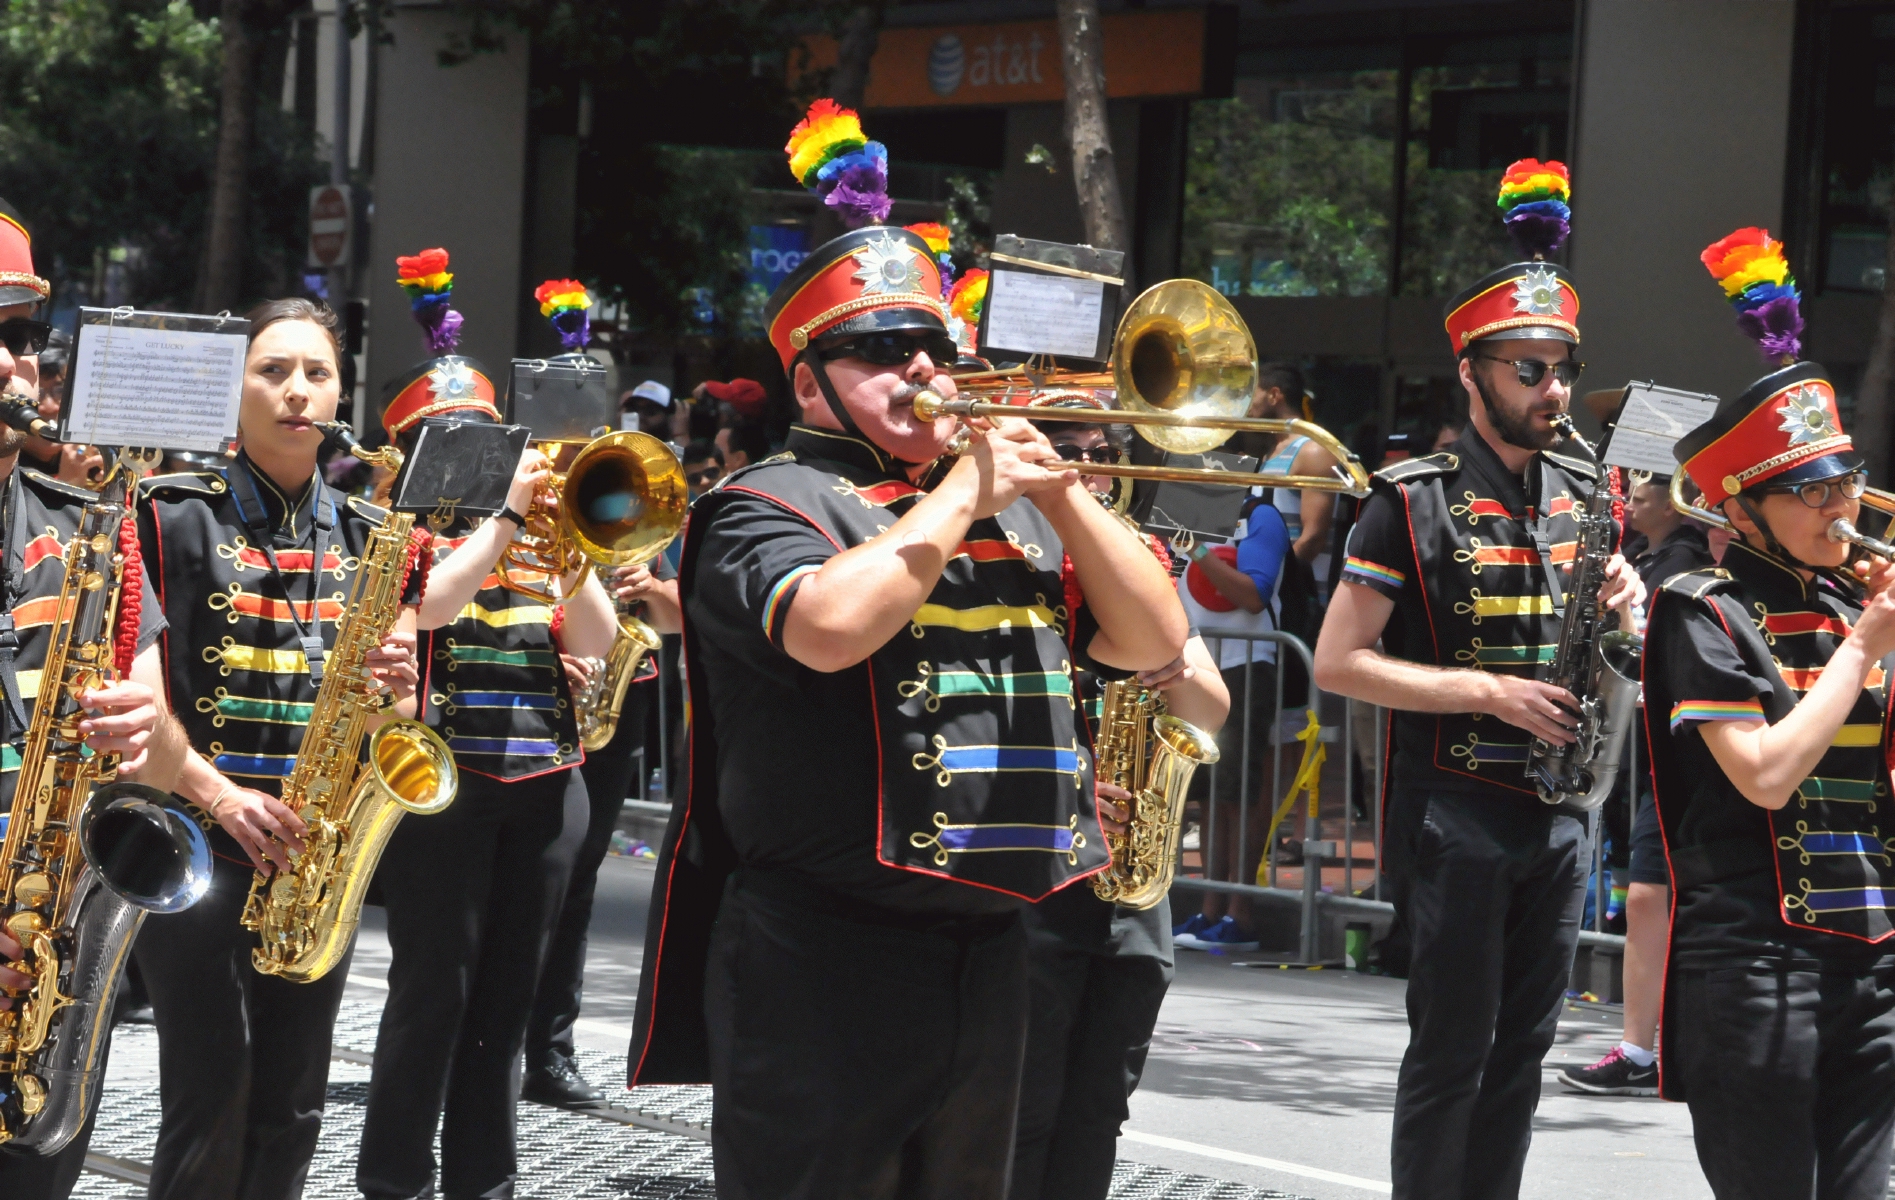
[(31, 890), (32, 1094), (283, 888)]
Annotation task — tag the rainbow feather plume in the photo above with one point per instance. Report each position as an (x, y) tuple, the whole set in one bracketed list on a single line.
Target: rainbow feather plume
[(564, 303), (1749, 265), (830, 155), (968, 296), (939, 239), (1533, 205), (430, 286)]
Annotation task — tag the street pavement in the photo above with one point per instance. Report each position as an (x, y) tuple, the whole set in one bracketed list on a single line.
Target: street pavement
[(1262, 1082)]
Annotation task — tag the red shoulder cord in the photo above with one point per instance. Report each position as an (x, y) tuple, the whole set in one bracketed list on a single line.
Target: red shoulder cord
[(131, 597), (419, 559), (1617, 484), (1069, 581)]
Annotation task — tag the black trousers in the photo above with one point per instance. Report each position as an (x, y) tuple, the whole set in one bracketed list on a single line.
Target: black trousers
[(243, 1057), (861, 1061), (1493, 894), (1790, 1077), (1087, 1037), (472, 894), (609, 777)]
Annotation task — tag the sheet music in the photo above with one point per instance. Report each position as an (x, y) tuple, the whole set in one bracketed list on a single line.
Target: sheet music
[(171, 388), (1044, 314), (1650, 424)]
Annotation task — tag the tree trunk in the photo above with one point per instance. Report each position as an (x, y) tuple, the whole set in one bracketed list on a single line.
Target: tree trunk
[(1874, 427), (221, 285), (854, 51), (1088, 137)]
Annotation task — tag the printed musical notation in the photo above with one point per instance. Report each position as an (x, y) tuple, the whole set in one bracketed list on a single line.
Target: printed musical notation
[(139, 386)]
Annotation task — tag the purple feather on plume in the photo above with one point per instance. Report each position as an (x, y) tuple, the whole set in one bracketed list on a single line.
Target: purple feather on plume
[(444, 334), (574, 328), (1776, 326), (860, 196)]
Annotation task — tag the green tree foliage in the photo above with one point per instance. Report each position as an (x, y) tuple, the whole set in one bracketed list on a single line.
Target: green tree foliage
[(108, 132)]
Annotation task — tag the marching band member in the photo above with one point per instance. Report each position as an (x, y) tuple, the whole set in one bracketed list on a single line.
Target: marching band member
[(472, 894), (887, 764), (1766, 685), (1454, 563), (38, 516), (253, 566), (1097, 971), (551, 1076)]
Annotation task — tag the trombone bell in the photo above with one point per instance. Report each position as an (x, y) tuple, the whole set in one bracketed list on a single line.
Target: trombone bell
[(1182, 349)]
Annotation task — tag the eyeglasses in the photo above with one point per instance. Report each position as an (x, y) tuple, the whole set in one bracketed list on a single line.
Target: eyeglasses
[(704, 475), (1090, 454), (1816, 494), (895, 349), (1531, 370), (25, 336)]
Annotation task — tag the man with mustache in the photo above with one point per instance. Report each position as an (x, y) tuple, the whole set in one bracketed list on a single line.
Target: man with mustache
[(1459, 564), (888, 763)]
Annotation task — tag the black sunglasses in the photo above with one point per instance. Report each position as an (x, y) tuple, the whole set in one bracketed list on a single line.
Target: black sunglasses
[(22, 335), (1531, 370), (703, 475), (895, 349), (1091, 454), (1816, 494)]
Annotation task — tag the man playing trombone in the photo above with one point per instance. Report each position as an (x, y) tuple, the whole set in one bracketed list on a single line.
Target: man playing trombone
[(887, 759)]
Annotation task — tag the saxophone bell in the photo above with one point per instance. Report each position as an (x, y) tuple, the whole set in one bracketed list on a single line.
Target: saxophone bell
[(149, 853)]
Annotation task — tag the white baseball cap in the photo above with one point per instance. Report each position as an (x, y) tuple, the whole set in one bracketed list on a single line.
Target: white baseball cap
[(653, 391)]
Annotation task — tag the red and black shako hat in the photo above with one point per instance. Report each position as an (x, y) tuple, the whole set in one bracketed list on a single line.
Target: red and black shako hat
[(1785, 428), (1532, 299), (18, 283), (448, 382)]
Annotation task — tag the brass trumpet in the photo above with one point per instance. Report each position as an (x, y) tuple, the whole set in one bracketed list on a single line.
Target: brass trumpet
[(1873, 498), (620, 499), (1184, 366)]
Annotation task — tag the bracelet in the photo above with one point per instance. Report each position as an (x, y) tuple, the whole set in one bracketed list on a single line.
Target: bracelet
[(1200, 552), (218, 799), (507, 514)]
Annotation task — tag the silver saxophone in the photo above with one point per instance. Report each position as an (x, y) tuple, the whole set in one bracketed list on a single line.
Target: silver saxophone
[(1595, 661)]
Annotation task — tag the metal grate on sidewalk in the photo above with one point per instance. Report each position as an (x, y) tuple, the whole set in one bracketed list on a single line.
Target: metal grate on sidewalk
[(654, 1146)]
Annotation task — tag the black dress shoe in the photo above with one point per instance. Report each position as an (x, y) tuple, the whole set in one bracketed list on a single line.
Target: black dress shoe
[(560, 1084)]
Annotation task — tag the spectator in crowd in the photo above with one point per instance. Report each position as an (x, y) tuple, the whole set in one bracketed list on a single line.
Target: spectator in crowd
[(38, 453), (1674, 544), (1446, 436), (649, 404), (1234, 587), (1308, 513), (703, 466)]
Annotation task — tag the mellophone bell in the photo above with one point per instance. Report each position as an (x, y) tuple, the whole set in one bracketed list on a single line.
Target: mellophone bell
[(1766, 691)]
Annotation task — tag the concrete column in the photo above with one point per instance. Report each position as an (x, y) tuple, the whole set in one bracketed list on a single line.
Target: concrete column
[(450, 170), (1683, 136)]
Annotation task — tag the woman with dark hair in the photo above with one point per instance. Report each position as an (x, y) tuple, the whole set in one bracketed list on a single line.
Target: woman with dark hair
[(473, 895), (253, 566)]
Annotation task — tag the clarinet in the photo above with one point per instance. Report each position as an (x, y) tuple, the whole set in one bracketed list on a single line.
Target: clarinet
[(1598, 664)]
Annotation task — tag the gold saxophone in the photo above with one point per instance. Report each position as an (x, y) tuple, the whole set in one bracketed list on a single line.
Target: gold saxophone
[(598, 704), (307, 915), (1151, 755), (79, 867)]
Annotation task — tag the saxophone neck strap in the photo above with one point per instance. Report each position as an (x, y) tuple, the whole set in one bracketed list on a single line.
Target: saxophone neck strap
[(1537, 523), (12, 585)]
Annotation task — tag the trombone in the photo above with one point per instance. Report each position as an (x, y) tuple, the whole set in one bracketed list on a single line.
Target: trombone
[(1184, 366), (622, 499), (1840, 530)]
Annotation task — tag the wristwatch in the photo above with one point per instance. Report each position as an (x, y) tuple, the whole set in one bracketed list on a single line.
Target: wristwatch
[(507, 514), (1200, 552)]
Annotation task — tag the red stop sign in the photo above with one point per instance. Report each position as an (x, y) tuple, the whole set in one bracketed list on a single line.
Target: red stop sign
[(328, 225)]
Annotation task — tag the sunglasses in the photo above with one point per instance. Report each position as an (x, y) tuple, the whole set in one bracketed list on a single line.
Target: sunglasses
[(1816, 494), (22, 335), (895, 349), (1090, 454), (706, 475), (1531, 370)]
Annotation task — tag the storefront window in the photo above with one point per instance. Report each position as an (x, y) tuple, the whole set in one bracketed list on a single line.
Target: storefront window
[(1288, 186), (1858, 147)]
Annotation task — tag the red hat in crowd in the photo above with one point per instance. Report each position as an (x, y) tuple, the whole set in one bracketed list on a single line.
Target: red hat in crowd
[(1533, 299), (745, 395), (448, 382), (1785, 428), (18, 283)]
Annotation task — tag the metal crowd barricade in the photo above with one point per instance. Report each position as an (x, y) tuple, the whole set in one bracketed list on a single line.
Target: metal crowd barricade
[(1312, 849)]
